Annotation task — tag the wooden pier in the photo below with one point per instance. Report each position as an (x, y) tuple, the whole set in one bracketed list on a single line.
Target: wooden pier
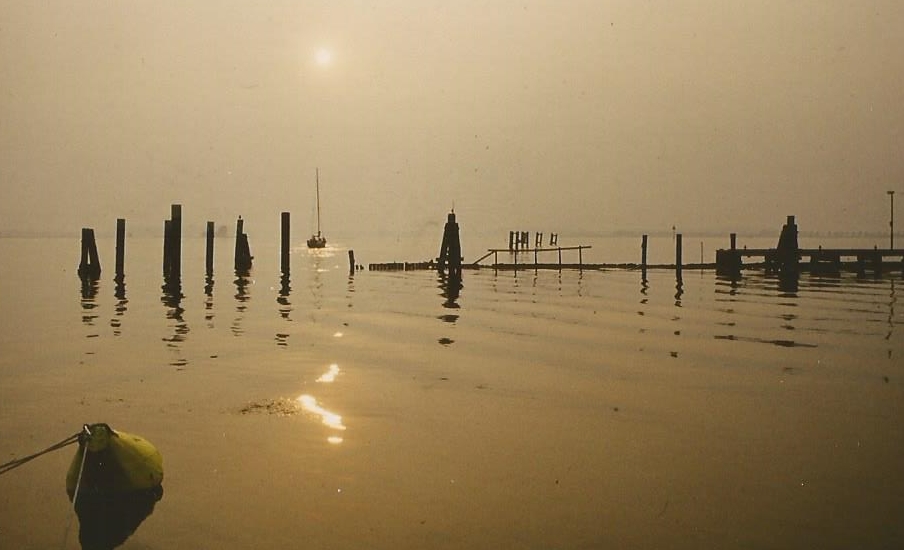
[(787, 258), (536, 253)]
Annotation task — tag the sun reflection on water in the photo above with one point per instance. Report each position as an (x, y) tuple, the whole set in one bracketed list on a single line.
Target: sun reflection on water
[(329, 418), (330, 375)]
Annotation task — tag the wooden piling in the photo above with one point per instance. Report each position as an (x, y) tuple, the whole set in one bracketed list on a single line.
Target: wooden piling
[(678, 256), (450, 249), (243, 255), (208, 257), (284, 241), (120, 248), (89, 266), (176, 254), (351, 262), (643, 252)]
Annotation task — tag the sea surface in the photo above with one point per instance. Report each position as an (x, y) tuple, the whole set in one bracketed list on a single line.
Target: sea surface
[(342, 408)]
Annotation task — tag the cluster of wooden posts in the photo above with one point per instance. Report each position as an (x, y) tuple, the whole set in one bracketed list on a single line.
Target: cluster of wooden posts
[(90, 269), (520, 240)]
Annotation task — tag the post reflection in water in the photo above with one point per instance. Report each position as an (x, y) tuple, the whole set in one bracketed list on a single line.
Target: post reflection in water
[(242, 296), (208, 303), (450, 289), (309, 404), (285, 289), (89, 290), (172, 298), (121, 304)]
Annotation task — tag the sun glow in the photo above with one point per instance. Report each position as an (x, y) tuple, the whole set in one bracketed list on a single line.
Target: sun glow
[(323, 57)]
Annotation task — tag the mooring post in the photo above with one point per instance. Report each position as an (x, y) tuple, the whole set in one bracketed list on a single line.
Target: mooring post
[(450, 249), (643, 252), (284, 263), (120, 247), (89, 266), (208, 257), (242, 249), (351, 262), (175, 255), (678, 256)]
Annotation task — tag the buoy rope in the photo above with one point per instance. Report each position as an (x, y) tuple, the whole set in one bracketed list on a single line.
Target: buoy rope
[(78, 481), (11, 465)]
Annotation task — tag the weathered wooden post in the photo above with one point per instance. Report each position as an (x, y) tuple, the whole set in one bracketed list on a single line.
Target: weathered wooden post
[(243, 255), (450, 249), (643, 252), (120, 248), (643, 258), (351, 262), (284, 243), (208, 256), (511, 240), (728, 262), (788, 250), (176, 214), (89, 266), (172, 244), (678, 256)]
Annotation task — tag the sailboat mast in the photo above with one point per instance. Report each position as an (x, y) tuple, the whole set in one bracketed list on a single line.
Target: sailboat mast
[(317, 184)]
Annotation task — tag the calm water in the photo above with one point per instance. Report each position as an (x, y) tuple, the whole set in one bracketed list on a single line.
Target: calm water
[(394, 410)]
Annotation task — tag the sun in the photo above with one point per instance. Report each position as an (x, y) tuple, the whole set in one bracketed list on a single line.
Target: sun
[(323, 57)]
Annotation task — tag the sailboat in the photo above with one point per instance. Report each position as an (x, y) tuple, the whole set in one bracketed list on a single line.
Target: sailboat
[(317, 240)]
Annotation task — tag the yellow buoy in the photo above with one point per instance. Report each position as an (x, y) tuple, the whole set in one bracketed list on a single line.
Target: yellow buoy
[(116, 462)]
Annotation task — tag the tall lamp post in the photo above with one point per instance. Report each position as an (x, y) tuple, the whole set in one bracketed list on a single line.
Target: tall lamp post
[(891, 223)]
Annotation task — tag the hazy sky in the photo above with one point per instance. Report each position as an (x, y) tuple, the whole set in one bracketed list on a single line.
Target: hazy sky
[(551, 115)]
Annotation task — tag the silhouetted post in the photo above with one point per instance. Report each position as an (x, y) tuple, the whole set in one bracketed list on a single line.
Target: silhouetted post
[(284, 263), (120, 247), (450, 249), (728, 262), (678, 256), (89, 266), (525, 239), (351, 262), (176, 214), (538, 240), (788, 249), (243, 255), (553, 239), (208, 257), (643, 252)]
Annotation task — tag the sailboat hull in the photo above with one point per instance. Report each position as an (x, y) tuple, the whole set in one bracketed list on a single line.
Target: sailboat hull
[(317, 242)]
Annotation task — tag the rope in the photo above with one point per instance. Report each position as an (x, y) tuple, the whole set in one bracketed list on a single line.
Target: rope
[(11, 465), (78, 482)]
